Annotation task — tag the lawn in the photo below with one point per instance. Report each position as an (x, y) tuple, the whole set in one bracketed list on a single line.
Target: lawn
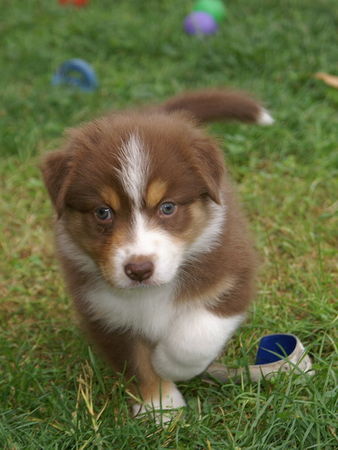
[(54, 391)]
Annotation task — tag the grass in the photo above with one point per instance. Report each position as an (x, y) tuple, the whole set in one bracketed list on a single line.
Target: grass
[(54, 392)]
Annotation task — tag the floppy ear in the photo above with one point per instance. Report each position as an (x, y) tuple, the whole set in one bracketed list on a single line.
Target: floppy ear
[(55, 168), (209, 164)]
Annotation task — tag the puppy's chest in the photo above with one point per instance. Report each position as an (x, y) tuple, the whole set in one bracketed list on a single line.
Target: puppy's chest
[(149, 312)]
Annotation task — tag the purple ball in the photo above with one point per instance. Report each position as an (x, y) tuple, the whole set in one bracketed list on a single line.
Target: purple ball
[(199, 22)]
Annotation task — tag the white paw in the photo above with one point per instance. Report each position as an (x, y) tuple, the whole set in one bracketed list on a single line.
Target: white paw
[(163, 408)]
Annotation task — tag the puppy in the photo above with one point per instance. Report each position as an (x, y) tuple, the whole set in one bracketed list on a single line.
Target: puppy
[(154, 246)]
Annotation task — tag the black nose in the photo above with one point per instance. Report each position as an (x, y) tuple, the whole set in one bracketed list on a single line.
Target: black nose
[(139, 271)]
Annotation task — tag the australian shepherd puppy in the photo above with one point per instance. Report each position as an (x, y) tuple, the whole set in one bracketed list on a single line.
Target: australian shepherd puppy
[(154, 246)]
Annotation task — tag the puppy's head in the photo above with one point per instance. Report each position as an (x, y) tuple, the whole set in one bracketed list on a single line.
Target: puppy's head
[(137, 195)]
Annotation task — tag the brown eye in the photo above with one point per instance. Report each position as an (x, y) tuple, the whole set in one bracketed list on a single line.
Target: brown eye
[(104, 214), (167, 208)]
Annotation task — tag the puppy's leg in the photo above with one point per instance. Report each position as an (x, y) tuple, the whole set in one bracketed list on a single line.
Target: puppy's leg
[(188, 350), (156, 393), (131, 355)]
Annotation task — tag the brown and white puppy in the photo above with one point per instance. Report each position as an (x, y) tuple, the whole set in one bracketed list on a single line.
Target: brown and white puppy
[(152, 240)]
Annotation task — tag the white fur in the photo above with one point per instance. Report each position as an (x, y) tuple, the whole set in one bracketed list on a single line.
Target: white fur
[(72, 251), (194, 340), (163, 250), (211, 234), (134, 169), (264, 117), (143, 310)]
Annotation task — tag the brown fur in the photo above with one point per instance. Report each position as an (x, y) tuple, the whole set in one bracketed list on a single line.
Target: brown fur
[(234, 258), (215, 104), (185, 163)]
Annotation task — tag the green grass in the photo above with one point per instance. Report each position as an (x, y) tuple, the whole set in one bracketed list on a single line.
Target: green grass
[(56, 394)]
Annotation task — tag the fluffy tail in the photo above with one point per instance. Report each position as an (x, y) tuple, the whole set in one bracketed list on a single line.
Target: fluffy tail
[(219, 104)]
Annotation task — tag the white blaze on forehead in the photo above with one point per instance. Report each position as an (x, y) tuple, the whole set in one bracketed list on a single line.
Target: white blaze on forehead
[(134, 168)]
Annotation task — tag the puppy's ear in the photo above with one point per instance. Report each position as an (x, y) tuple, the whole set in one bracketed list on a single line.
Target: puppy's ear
[(208, 162), (55, 169)]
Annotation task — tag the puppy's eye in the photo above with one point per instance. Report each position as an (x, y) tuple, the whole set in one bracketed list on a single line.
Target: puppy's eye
[(167, 208), (104, 214)]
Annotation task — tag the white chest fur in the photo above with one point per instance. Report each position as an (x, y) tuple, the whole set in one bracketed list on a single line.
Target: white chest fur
[(147, 311), (187, 337)]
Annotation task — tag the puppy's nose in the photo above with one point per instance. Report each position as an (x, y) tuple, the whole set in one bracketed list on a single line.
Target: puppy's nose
[(139, 271)]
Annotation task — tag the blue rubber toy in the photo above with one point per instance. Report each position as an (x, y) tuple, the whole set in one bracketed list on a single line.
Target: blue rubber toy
[(76, 73)]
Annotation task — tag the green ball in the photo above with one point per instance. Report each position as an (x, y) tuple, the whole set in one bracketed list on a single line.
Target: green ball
[(213, 7)]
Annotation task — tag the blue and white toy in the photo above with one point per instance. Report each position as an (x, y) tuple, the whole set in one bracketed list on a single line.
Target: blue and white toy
[(276, 353)]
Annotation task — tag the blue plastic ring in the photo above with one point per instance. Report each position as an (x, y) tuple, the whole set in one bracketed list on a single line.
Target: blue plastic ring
[(68, 71)]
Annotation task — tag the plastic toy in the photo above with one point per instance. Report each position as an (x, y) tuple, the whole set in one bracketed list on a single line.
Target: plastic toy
[(76, 73), (78, 3), (215, 8), (276, 353), (200, 23)]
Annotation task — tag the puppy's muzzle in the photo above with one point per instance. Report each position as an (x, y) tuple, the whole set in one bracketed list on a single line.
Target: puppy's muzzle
[(139, 271)]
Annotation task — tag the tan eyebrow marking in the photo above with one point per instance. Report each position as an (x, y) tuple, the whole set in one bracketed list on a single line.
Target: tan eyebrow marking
[(155, 192), (111, 198)]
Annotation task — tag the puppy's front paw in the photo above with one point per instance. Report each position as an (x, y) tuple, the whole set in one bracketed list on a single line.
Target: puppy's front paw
[(162, 407)]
